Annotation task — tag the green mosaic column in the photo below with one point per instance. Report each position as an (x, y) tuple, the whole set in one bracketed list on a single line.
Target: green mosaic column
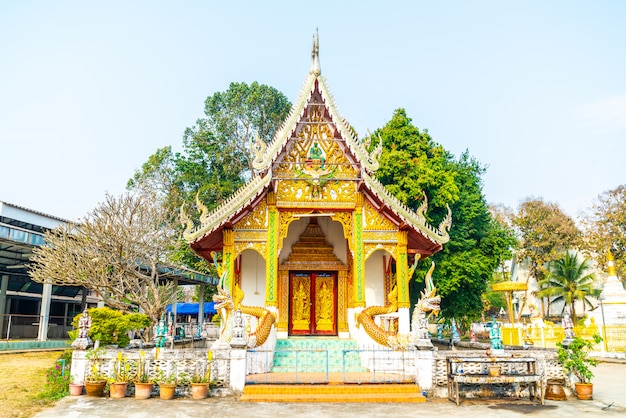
[(271, 257), (402, 271), (358, 260), (228, 238)]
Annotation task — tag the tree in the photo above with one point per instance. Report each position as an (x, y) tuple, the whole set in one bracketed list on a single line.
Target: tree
[(605, 228), (236, 116), (413, 164), (570, 280), (120, 250), (217, 155), (545, 232)]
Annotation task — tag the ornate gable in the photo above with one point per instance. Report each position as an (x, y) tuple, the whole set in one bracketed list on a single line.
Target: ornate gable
[(316, 162)]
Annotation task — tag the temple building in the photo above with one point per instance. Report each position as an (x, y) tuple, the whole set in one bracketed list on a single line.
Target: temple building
[(313, 237)]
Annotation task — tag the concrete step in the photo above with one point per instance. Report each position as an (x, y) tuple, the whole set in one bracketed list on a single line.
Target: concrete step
[(398, 393)]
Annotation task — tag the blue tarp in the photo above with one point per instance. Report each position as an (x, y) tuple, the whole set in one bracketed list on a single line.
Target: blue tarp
[(192, 308)]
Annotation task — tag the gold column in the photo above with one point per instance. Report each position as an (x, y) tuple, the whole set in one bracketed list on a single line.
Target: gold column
[(402, 270), (359, 262), (271, 256), (228, 238)]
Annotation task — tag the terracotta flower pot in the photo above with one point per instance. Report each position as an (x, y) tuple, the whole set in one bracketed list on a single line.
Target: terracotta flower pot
[(76, 389), (554, 391), (167, 390), (118, 389), (584, 391), (143, 390), (95, 388), (199, 390)]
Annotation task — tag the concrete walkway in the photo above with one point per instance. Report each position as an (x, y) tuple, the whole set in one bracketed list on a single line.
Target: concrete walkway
[(609, 389)]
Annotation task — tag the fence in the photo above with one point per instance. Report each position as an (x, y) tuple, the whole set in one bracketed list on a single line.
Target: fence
[(182, 363), (316, 365), (548, 336), (16, 326)]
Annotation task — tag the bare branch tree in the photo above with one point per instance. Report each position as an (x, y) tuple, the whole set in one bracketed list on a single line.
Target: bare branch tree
[(121, 250)]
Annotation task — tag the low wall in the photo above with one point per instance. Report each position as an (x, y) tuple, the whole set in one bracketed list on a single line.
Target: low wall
[(223, 364)]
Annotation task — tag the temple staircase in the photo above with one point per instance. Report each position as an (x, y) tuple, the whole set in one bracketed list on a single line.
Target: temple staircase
[(325, 370)]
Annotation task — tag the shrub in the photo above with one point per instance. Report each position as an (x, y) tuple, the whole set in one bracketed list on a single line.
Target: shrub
[(575, 357), (58, 378), (110, 326)]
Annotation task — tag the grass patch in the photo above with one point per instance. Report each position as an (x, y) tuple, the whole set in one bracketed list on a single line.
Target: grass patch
[(23, 380)]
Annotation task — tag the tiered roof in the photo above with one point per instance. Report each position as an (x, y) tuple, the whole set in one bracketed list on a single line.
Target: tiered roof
[(422, 237)]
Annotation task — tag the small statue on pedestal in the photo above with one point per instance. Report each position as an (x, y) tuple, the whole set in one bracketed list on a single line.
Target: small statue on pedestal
[(455, 334), (83, 342), (473, 334), (494, 337), (568, 326), (238, 340), (160, 333)]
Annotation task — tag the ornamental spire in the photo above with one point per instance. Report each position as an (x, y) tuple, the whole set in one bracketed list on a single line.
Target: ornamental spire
[(315, 54)]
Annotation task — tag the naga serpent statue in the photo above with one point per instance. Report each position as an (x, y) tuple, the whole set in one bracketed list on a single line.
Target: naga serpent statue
[(366, 319), (429, 302), (228, 304)]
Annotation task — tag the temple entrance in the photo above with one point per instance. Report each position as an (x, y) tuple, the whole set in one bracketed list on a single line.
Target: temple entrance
[(313, 303)]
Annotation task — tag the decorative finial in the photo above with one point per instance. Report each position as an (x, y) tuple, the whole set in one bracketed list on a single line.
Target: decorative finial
[(315, 54)]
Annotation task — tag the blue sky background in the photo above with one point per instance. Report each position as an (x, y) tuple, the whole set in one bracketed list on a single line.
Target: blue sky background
[(535, 90)]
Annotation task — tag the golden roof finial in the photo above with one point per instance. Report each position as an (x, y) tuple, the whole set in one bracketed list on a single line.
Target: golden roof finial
[(315, 54)]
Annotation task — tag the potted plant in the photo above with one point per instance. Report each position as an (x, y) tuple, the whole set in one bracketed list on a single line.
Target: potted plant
[(167, 384), (96, 380), (143, 383), (121, 376), (200, 381), (76, 389), (576, 360), (200, 385)]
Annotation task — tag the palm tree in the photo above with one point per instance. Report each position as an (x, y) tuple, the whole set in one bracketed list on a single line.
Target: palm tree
[(569, 280)]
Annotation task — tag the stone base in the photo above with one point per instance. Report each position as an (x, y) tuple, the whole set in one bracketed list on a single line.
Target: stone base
[(424, 344), (82, 343)]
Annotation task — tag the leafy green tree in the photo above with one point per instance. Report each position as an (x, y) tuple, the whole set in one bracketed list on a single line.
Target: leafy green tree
[(413, 164), (569, 280), (545, 232), (605, 228), (217, 156), (235, 117)]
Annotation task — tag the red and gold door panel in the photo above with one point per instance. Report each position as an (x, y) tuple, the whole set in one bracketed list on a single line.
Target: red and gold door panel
[(313, 303)]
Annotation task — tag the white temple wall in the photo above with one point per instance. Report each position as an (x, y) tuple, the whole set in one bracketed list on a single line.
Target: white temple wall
[(253, 278), (375, 280)]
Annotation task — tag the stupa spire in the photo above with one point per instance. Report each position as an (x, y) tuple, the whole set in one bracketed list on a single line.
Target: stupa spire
[(315, 54)]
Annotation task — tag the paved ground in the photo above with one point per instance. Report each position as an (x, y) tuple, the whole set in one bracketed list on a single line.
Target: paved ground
[(609, 389)]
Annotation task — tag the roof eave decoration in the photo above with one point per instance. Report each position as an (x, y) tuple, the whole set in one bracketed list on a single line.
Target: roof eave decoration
[(210, 222), (266, 155), (437, 235)]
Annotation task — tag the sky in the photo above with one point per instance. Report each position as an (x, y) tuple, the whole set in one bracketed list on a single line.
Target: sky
[(534, 90)]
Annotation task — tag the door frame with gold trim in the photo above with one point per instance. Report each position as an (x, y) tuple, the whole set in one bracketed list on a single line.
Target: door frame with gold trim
[(313, 303)]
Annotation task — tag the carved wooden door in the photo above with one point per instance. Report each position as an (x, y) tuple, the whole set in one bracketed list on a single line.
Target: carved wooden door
[(313, 303)]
